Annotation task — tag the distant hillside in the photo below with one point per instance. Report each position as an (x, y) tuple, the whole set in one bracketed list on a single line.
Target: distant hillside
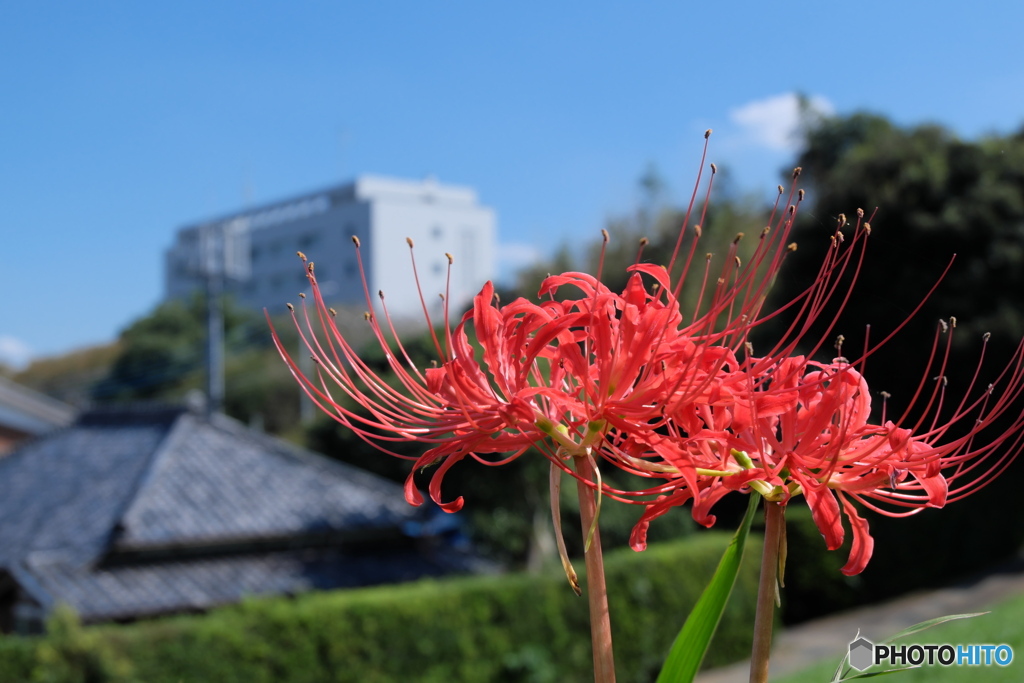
[(70, 377)]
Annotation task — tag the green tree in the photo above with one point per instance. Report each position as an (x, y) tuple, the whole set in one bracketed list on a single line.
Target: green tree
[(936, 196), (161, 357), (161, 354)]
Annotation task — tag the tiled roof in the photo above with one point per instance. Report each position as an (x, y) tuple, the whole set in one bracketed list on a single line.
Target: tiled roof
[(63, 494), (130, 512), (219, 480)]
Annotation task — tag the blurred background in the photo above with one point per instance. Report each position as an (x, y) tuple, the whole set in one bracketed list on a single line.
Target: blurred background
[(125, 126)]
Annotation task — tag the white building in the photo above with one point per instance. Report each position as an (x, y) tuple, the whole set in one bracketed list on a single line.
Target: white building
[(257, 248)]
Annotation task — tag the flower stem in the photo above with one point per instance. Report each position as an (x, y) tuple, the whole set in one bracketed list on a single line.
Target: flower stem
[(597, 592), (774, 524)]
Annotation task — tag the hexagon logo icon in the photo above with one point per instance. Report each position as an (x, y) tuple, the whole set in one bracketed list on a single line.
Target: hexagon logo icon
[(862, 654)]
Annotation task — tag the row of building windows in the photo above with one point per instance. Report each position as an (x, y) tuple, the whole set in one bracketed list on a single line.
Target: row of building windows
[(276, 281), (262, 281), (280, 247), (306, 242)]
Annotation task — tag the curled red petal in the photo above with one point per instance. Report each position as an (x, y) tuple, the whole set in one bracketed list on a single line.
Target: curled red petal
[(655, 509), (825, 511), (863, 543), (412, 494), (936, 488), (435, 485), (702, 505)]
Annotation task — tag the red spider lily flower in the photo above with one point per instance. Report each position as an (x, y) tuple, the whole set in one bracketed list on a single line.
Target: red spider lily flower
[(566, 377), (824, 446), (792, 426), (527, 385), (685, 451)]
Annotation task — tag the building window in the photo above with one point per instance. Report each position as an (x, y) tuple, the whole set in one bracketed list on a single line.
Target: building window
[(437, 232)]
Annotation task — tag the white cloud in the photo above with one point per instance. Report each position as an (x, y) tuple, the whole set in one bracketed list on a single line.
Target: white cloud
[(14, 352), (773, 121)]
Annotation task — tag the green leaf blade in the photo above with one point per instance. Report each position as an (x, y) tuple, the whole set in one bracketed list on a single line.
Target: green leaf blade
[(928, 624), (691, 644)]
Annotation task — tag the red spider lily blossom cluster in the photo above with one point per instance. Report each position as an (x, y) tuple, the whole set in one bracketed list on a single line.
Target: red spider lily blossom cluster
[(675, 397), (803, 428), (785, 425)]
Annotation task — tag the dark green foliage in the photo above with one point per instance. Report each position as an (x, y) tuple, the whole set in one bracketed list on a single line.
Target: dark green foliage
[(936, 196), (516, 627), (17, 659), (158, 351), (259, 389), (162, 356), (814, 585)]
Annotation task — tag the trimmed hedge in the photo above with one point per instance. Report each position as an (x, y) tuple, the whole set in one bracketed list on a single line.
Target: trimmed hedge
[(513, 627)]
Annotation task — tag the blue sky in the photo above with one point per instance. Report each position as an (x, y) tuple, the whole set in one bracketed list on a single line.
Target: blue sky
[(119, 122)]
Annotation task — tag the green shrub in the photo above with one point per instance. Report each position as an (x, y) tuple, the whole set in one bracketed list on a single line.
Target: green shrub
[(514, 627), (17, 659), (69, 654)]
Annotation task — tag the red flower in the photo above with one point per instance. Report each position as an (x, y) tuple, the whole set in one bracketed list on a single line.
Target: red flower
[(785, 425), (821, 444), (569, 377)]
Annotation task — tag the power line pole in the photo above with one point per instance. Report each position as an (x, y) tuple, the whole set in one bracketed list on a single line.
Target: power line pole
[(223, 253), (214, 343)]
